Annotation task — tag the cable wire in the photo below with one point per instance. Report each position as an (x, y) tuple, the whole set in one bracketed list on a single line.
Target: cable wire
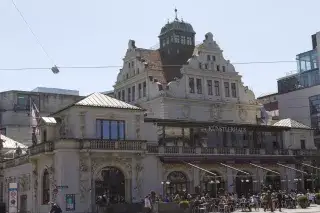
[(119, 66), (32, 32)]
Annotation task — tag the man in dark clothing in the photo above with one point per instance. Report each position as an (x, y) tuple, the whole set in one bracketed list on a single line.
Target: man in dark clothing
[(55, 208), (280, 199)]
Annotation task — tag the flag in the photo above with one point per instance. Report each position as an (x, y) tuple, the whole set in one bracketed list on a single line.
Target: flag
[(35, 117)]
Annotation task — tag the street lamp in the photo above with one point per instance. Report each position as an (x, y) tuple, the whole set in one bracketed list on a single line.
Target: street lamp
[(55, 69)]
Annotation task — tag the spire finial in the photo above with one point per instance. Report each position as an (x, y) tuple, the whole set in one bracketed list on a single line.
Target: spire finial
[(176, 12)]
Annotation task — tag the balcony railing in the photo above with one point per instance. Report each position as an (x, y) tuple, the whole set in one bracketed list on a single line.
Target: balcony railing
[(113, 145), (143, 146), (41, 148)]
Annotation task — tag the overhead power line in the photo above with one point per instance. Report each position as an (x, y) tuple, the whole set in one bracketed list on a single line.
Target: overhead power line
[(32, 32), (118, 66)]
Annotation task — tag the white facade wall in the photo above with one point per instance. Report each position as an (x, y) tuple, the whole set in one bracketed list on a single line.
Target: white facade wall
[(295, 105)]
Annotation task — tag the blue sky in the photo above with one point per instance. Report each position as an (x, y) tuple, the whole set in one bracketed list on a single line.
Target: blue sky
[(96, 33)]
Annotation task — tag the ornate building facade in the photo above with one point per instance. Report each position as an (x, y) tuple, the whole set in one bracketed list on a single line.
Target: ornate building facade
[(181, 120)]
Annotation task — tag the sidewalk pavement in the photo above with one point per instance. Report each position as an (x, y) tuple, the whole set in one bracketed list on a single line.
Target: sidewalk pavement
[(311, 209)]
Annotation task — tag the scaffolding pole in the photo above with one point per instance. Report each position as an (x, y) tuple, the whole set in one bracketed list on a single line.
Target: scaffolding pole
[(230, 167), (197, 167), (288, 167), (263, 168)]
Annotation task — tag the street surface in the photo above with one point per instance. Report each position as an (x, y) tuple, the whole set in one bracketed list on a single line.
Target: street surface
[(312, 209)]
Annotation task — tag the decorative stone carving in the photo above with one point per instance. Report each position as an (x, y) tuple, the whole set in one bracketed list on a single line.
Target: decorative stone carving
[(243, 114), (53, 183), (84, 181), (186, 111), (138, 117), (215, 111), (35, 180), (24, 182), (139, 179)]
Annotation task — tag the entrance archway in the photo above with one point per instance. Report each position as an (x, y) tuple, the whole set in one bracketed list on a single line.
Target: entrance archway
[(213, 184), (244, 184), (111, 186), (178, 183), (274, 180)]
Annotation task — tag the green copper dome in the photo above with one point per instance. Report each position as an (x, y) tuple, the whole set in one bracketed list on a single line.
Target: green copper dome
[(177, 25)]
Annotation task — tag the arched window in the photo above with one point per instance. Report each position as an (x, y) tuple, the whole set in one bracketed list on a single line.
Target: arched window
[(45, 187), (178, 183), (244, 184), (274, 180), (112, 185), (213, 184)]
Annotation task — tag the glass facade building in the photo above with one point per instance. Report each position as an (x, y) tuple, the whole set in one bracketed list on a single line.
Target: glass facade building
[(307, 74), (314, 102)]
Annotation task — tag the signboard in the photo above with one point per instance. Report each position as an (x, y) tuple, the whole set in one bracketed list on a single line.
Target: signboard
[(70, 202), (13, 197), (62, 187), (223, 129)]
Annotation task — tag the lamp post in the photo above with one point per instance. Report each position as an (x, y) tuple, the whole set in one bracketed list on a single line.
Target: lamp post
[(164, 186)]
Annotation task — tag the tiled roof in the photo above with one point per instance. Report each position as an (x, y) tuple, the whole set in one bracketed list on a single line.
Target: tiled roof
[(288, 122), (9, 143), (101, 100)]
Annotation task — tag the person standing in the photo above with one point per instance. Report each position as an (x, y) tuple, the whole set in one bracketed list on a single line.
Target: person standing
[(279, 200)]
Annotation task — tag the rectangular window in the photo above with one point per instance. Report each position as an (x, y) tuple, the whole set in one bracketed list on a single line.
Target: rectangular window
[(217, 88), (199, 86), (303, 144), (110, 129), (218, 68), (140, 91), (123, 95), (133, 93), (144, 90), (129, 94), (119, 95), (226, 89), (183, 40), (223, 68), (176, 39), (191, 85), (208, 57), (200, 66), (213, 58), (189, 42), (233, 90), (206, 66), (209, 85)]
